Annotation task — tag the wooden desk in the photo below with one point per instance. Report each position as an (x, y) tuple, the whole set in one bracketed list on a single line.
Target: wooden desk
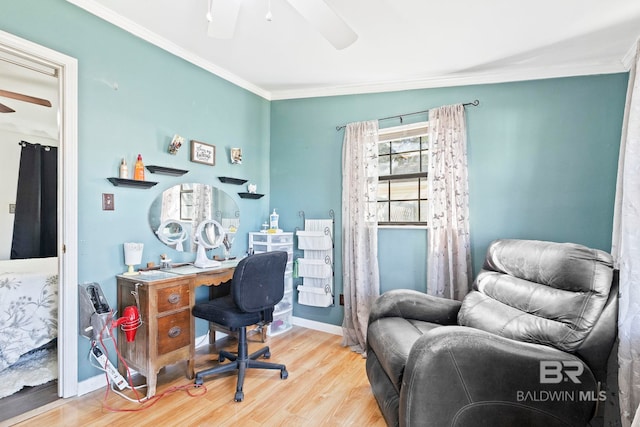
[(167, 333)]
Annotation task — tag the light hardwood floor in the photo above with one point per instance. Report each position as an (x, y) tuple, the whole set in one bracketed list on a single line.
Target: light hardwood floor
[(327, 386)]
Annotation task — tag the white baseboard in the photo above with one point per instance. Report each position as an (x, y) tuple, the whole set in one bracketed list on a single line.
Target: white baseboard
[(317, 326), (91, 384)]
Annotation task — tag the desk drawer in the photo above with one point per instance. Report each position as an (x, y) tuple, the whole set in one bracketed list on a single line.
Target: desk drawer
[(173, 331), (173, 298)]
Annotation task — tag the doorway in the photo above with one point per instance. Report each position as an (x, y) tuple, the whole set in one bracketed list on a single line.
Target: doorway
[(28, 55)]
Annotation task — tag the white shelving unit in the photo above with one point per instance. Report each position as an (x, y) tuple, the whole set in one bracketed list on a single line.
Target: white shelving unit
[(283, 311)]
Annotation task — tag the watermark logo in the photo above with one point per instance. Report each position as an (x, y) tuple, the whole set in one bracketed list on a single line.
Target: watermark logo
[(555, 372)]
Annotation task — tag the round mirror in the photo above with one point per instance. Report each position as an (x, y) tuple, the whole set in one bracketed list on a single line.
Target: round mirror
[(174, 216)]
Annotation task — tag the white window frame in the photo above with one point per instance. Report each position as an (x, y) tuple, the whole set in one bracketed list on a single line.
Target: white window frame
[(400, 132)]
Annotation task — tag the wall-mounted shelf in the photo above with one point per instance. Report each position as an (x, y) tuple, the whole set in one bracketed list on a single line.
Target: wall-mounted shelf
[(122, 182), (228, 180), (250, 195), (166, 171)]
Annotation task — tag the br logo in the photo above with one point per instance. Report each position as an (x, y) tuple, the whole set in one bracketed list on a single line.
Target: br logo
[(554, 372)]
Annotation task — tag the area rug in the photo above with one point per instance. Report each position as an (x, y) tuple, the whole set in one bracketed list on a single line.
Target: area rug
[(31, 369)]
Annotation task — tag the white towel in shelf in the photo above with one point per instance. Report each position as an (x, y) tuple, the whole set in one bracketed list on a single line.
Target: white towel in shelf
[(317, 268), (314, 240), (319, 225)]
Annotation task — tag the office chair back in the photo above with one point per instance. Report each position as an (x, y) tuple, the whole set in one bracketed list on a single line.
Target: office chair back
[(258, 281)]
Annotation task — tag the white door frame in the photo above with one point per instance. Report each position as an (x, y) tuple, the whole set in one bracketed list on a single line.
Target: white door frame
[(67, 203)]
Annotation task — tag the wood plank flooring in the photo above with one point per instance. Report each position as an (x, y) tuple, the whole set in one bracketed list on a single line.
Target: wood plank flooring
[(327, 386), (27, 399)]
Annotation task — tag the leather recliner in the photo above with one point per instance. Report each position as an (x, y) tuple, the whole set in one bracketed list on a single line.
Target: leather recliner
[(528, 346)]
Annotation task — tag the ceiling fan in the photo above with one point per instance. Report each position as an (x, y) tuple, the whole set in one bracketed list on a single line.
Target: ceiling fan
[(20, 97), (223, 15)]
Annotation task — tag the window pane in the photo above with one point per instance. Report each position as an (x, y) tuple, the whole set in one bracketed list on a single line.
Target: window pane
[(383, 190), (423, 188), (384, 147), (404, 211), (424, 211), (425, 161), (407, 144), (383, 212), (405, 163), (424, 142), (404, 189), (383, 165)]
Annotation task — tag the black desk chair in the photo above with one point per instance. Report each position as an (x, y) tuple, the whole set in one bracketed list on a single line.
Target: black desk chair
[(257, 286)]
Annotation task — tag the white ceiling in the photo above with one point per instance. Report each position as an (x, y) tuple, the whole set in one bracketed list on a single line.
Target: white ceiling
[(402, 44), (29, 119)]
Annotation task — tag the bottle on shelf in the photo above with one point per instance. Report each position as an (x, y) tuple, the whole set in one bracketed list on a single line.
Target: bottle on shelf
[(138, 171), (124, 171)]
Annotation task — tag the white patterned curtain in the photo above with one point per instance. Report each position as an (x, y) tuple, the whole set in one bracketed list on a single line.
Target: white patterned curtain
[(360, 275), (625, 248), (448, 252)]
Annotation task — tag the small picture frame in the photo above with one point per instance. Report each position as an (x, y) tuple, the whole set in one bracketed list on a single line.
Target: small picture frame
[(236, 156), (203, 153)]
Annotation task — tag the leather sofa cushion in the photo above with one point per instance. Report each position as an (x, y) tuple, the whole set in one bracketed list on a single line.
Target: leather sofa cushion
[(391, 339), (540, 292)]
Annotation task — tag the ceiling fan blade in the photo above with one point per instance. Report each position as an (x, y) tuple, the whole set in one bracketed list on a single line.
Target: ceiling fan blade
[(25, 98), (326, 21), (222, 17), (5, 109)]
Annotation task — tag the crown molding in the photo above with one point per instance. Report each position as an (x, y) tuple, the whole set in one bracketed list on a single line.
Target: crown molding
[(126, 24)]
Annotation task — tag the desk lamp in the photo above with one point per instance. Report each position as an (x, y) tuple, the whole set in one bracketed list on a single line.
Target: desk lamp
[(132, 256)]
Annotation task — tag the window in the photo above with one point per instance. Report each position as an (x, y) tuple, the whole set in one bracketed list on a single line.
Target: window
[(403, 159)]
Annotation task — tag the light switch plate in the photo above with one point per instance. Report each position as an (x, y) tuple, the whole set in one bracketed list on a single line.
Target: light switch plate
[(107, 202)]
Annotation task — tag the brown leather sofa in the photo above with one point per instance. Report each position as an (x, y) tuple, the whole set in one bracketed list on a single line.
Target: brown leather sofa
[(528, 346)]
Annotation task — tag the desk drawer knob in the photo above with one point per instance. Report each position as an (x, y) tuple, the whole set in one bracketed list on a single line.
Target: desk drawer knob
[(175, 331), (174, 298)]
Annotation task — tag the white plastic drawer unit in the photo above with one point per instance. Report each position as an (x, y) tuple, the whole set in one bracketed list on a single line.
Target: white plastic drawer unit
[(283, 311), (281, 323)]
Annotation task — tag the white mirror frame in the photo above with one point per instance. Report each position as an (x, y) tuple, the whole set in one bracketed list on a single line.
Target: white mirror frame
[(67, 201)]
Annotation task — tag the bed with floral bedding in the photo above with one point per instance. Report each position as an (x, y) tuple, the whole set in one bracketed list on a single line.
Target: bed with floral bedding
[(28, 312)]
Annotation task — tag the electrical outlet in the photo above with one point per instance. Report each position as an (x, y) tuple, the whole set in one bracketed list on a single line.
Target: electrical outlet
[(107, 202), (12, 208)]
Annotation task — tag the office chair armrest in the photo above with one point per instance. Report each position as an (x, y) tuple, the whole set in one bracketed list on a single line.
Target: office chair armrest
[(457, 375), (410, 304)]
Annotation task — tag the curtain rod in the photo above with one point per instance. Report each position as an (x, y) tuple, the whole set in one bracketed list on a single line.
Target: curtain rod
[(400, 116)]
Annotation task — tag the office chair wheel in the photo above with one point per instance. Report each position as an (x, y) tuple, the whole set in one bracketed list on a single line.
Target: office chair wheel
[(199, 381), (284, 374), (266, 355), (221, 358), (239, 396)]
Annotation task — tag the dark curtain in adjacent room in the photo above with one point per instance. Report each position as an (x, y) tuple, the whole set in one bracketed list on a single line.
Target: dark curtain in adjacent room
[(35, 228)]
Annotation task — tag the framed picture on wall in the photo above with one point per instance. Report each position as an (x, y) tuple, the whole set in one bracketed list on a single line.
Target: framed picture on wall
[(203, 153)]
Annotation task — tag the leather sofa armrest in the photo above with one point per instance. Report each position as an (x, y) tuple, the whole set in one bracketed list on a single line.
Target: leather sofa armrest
[(457, 375), (410, 304)]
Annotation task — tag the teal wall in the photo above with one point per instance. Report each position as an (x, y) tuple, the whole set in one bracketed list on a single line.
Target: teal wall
[(542, 165), (158, 95), (542, 155)]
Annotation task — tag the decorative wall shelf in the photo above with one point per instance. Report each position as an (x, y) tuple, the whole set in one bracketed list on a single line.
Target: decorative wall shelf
[(250, 195), (166, 171), (122, 182), (228, 180)]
